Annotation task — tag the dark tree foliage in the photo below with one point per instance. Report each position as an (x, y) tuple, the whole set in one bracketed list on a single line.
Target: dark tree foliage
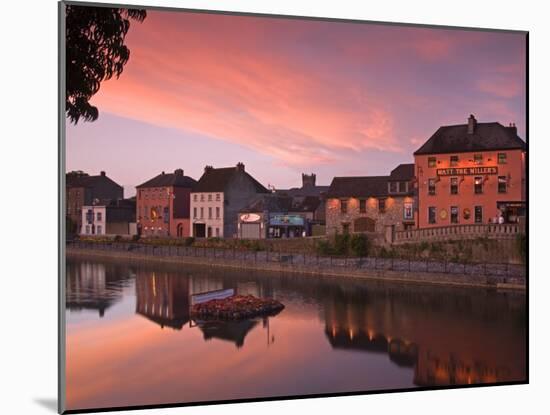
[(95, 52)]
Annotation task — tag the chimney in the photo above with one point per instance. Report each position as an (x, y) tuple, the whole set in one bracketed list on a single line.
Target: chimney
[(102, 173), (178, 172), (208, 168), (308, 180), (162, 173), (472, 122), (513, 128), (240, 166)]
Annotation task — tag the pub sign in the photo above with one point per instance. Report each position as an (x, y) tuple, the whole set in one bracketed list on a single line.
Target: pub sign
[(466, 171)]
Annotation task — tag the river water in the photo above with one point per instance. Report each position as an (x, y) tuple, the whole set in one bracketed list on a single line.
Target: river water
[(130, 340)]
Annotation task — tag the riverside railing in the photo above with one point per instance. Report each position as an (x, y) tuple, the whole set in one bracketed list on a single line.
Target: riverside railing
[(496, 270), (496, 231)]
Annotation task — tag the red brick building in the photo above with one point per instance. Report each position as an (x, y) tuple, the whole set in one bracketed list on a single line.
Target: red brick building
[(162, 205), (471, 173)]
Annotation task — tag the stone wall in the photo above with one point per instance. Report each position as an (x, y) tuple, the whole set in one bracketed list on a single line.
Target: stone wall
[(393, 214)]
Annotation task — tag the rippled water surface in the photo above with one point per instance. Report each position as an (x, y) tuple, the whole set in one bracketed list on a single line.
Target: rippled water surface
[(130, 340)]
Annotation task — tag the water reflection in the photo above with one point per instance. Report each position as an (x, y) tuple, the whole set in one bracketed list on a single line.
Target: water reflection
[(232, 331), (95, 286), (164, 298), (334, 335), (452, 338)]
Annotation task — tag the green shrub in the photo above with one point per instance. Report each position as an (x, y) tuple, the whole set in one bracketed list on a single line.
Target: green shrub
[(359, 244), (341, 244), (323, 247)]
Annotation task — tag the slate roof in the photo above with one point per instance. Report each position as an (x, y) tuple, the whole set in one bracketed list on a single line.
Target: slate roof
[(88, 181), (365, 186), (403, 172), (305, 204), (169, 179), (216, 180), (304, 191), (486, 136), (270, 203)]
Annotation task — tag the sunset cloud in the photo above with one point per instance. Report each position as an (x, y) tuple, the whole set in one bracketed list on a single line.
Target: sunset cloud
[(311, 93)]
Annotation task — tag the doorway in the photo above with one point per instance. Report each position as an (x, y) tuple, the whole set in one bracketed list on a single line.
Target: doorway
[(199, 230)]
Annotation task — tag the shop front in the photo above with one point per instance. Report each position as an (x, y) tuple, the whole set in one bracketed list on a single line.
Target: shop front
[(251, 226), (286, 226), (512, 212)]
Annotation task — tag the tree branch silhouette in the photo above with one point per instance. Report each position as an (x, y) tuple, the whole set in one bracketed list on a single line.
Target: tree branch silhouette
[(95, 52)]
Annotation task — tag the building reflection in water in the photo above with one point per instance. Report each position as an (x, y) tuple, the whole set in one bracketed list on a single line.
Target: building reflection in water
[(448, 341), (95, 286), (164, 298)]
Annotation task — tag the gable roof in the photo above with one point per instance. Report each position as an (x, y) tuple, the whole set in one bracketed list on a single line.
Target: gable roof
[(216, 180), (486, 136), (169, 179), (88, 181), (364, 186), (403, 172)]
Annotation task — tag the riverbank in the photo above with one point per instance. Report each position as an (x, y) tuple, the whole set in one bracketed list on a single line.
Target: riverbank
[(342, 268)]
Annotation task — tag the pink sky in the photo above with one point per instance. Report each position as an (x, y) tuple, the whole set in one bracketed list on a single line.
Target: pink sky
[(288, 96)]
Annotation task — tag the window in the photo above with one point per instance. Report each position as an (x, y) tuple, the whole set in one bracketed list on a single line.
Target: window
[(195, 198), (431, 214), (89, 216), (381, 205), (194, 212), (501, 158), (217, 232), (431, 161), (408, 211), (209, 197), (478, 214), (99, 229), (343, 206), (454, 161), (202, 212), (431, 187), (217, 213), (98, 216), (393, 187), (478, 185), (345, 227), (454, 214), (87, 229), (502, 184), (362, 206), (403, 187), (478, 158), (209, 213), (454, 185), (218, 197), (202, 197)]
